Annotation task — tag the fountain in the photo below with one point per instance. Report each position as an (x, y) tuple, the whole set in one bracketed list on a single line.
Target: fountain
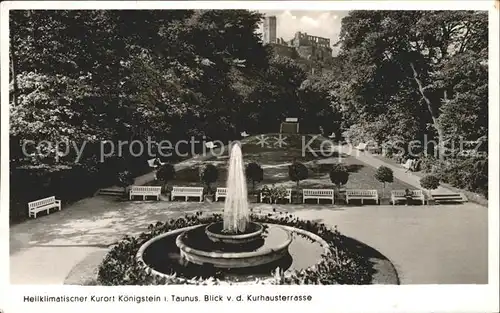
[(234, 246), (237, 242), (236, 227)]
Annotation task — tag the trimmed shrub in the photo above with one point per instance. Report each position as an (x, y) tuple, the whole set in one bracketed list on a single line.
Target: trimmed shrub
[(429, 182), (384, 175), (208, 175), (125, 179), (339, 175), (297, 172), (254, 173), (165, 174)]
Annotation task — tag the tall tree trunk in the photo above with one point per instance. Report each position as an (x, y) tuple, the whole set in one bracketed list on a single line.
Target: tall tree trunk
[(13, 70), (433, 111)]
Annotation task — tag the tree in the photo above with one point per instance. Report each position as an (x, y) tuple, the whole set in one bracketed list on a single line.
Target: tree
[(125, 179), (384, 175), (165, 174), (208, 175), (415, 49), (254, 173), (339, 175), (429, 182), (297, 172)]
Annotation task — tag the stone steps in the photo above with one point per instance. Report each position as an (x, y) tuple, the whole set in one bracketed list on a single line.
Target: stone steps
[(111, 192), (448, 197)]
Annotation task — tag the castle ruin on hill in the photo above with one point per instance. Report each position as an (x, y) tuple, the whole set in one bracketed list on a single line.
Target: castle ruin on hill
[(302, 45)]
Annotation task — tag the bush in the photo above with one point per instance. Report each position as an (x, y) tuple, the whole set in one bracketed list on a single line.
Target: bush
[(429, 182), (470, 174), (254, 173), (208, 175), (339, 175), (341, 265), (297, 172), (165, 173), (125, 179), (384, 175), (274, 193)]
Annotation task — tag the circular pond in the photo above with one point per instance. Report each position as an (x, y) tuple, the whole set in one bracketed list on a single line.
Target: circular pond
[(163, 256)]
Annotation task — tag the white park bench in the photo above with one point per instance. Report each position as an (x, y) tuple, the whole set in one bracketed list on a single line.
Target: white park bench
[(400, 195), (318, 194), (210, 145), (187, 192), (151, 163), (409, 164), (361, 146), (44, 204), (361, 194), (288, 196), (145, 191), (220, 193)]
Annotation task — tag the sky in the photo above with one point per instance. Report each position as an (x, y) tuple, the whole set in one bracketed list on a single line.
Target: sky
[(317, 23)]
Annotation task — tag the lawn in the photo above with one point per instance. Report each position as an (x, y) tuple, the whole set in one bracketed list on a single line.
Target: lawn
[(275, 160)]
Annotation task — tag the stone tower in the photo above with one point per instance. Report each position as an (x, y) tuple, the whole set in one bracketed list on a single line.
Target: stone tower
[(269, 29)]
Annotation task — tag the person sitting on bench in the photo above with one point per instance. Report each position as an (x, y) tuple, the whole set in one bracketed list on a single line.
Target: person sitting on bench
[(408, 196)]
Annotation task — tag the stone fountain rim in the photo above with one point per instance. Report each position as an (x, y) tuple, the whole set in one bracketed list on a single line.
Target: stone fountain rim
[(256, 233), (233, 255), (291, 229)]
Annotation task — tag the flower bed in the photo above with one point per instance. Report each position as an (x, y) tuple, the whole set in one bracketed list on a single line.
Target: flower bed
[(340, 266)]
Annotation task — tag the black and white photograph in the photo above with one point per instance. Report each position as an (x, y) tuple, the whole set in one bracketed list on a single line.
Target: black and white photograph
[(247, 147)]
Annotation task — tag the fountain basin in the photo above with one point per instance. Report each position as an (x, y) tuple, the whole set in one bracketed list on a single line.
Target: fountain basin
[(254, 233), (194, 250), (162, 257)]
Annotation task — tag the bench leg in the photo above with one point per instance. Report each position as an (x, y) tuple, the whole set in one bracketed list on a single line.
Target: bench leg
[(361, 201), (201, 198), (318, 200), (186, 198)]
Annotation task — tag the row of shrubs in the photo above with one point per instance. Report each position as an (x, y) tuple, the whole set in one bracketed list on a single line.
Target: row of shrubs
[(297, 171)]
